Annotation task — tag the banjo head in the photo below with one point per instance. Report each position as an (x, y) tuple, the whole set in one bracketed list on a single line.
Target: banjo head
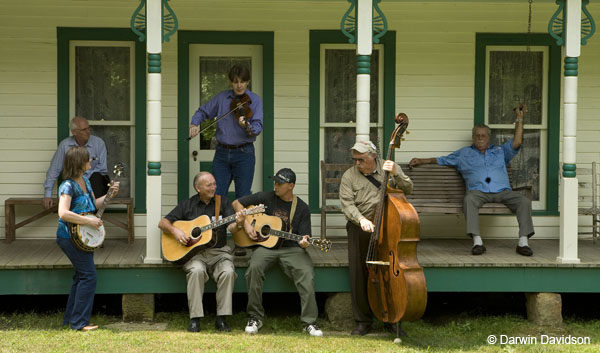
[(88, 238)]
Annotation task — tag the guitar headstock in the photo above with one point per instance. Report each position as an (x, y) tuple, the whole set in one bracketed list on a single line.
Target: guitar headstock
[(255, 209), (323, 244), (118, 169)]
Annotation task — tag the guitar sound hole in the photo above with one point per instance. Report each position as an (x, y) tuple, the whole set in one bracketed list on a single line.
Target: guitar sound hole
[(196, 233), (264, 233)]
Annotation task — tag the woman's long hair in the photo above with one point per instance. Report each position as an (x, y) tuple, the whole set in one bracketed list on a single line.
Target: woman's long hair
[(75, 160)]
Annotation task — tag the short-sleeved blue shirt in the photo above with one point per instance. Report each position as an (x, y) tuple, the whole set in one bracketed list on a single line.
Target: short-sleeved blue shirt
[(484, 172), (81, 202)]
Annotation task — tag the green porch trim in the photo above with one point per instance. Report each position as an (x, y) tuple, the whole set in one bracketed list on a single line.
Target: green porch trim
[(154, 62), (554, 85), (571, 66), (155, 280), (569, 170), (327, 279), (184, 39), (363, 64), (318, 37), (153, 168), (66, 34)]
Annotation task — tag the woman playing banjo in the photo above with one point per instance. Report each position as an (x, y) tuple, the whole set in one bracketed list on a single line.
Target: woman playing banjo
[(75, 198)]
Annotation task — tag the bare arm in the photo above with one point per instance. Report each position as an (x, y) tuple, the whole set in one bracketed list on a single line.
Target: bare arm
[(168, 228), (237, 207), (418, 161), (520, 112), (64, 213)]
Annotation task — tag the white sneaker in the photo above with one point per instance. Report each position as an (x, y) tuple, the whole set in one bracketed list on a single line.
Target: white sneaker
[(253, 325), (314, 330)]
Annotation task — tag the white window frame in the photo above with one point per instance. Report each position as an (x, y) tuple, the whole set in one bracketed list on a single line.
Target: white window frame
[(543, 127), (131, 122), (352, 123)]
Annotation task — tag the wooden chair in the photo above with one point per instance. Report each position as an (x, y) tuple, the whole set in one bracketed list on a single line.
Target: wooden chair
[(593, 211)]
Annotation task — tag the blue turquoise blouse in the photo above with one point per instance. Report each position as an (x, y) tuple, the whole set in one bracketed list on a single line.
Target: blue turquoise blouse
[(81, 202)]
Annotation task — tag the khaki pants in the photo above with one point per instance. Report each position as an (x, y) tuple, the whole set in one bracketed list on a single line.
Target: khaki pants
[(219, 263), (297, 265)]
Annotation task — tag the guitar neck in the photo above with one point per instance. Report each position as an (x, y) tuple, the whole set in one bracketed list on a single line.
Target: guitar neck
[(289, 236), (222, 221), (106, 201)]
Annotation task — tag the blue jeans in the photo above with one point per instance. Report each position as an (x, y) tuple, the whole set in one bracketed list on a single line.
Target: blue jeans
[(81, 297), (234, 164)]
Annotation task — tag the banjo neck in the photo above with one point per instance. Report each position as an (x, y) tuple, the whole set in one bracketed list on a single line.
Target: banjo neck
[(118, 170)]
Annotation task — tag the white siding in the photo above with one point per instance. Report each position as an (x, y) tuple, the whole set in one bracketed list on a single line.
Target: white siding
[(434, 84)]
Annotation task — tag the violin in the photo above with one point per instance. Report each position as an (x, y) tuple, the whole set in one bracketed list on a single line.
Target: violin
[(396, 287), (240, 105)]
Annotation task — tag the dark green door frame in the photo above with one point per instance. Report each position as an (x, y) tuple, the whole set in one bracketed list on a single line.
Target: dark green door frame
[(184, 39)]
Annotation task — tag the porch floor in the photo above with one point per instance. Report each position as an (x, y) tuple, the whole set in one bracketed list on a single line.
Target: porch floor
[(116, 253)]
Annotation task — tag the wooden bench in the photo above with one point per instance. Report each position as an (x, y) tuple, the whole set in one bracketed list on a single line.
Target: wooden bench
[(11, 227), (594, 210), (437, 189)]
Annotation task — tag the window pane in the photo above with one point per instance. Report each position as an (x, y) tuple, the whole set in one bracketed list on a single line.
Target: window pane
[(214, 79), (339, 140), (515, 77), (340, 86), (525, 166), (118, 147), (102, 83)]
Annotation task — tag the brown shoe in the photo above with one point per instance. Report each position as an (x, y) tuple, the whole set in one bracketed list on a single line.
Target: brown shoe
[(524, 250), (478, 250), (89, 328)]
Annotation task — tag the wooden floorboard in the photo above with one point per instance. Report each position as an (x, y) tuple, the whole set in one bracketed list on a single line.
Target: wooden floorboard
[(27, 254)]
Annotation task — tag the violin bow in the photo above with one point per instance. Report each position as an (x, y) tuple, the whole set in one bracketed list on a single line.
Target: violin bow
[(238, 106)]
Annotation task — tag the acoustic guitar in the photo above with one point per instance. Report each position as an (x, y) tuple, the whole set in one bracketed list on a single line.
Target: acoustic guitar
[(270, 236), (200, 235)]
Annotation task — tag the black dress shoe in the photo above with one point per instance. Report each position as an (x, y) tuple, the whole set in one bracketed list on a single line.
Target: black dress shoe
[(478, 250), (524, 250), (395, 329), (361, 329), (194, 325), (221, 324)]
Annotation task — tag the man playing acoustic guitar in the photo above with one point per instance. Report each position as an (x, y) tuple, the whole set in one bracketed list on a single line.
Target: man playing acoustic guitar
[(216, 260), (291, 255)]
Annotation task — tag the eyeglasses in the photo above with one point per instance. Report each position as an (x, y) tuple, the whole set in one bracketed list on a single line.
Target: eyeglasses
[(89, 128), (359, 160)]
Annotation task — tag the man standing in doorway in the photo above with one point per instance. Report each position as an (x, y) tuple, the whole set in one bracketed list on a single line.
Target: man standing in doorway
[(236, 132)]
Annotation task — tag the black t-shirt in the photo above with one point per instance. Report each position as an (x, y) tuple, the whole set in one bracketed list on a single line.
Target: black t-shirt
[(193, 208), (278, 207)]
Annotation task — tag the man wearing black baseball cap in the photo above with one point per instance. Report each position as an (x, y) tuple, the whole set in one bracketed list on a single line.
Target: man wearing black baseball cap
[(291, 255)]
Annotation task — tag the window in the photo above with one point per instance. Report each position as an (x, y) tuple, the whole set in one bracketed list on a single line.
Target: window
[(523, 68), (520, 75), (338, 101), (102, 91)]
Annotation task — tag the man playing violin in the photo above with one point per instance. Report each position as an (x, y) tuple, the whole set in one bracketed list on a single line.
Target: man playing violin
[(216, 261), (291, 255), (236, 132), (359, 196)]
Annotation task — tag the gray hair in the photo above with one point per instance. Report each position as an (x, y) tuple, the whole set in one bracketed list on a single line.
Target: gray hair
[(199, 177), (73, 122), (481, 126)]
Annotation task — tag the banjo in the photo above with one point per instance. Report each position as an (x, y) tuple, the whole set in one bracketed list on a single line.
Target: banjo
[(86, 237)]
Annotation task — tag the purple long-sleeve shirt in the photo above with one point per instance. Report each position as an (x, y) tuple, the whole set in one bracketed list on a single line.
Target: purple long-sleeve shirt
[(229, 132)]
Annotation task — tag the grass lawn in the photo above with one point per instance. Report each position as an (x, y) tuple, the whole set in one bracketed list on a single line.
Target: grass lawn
[(42, 332)]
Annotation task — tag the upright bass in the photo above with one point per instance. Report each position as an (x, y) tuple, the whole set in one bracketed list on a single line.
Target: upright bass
[(396, 287)]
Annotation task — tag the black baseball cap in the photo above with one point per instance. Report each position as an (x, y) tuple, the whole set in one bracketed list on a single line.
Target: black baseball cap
[(285, 175)]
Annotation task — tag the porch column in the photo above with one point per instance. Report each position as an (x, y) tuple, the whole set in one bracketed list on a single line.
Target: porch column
[(364, 48), (153, 177), (569, 186)]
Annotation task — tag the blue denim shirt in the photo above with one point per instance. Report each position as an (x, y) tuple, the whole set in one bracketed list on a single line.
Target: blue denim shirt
[(483, 172), (229, 132), (81, 202)]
